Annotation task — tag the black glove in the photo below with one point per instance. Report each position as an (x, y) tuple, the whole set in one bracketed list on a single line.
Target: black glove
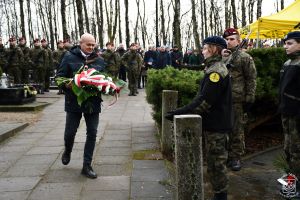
[(247, 107), (170, 115)]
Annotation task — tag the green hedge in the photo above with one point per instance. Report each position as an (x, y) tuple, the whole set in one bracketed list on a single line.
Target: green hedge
[(268, 64)]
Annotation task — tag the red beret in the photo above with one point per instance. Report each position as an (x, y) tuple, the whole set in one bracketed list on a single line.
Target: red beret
[(66, 40), (11, 39), (43, 40), (36, 40), (22, 38), (229, 32)]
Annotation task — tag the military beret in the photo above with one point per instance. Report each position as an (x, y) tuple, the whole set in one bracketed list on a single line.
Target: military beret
[(175, 46), (215, 40), (12, 39), (36, 40), (229, 32), (292, 35), (43, 40), (22, 38)]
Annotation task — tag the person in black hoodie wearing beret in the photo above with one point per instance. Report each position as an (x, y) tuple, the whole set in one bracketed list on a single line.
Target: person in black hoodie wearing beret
[(214, 103)]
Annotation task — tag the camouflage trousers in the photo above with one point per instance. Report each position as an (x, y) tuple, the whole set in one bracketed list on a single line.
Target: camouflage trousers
[(291, 130), (236, 137), (16, 73), (132, 82), (216, 154)]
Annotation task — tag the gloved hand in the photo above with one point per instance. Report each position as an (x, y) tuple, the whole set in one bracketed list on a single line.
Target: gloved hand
[(170, 115), (247, 107)]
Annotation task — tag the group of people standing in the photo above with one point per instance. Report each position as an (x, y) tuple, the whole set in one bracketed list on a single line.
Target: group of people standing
[(227, 92), (31, 65)]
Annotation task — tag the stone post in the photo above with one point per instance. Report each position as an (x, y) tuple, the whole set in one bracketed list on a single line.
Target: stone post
[(169, 102), (188, 157)]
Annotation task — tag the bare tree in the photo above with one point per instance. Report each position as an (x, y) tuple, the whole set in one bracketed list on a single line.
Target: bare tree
[(22, 18), (282, 4), (111, 19), (120, 24), (258, 13), (243, 8), (143, 25), (30, 29), (227, 14), (86, 17), (195, 25), (137, 21), (162, 20), (176, 24), (234, 16), (49, 14), (63, 19), (250, 10), (127, 23), (204, 15), (80, 16)]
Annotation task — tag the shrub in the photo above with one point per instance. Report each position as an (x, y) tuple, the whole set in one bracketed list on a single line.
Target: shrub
[(268, 63), (186, 82)]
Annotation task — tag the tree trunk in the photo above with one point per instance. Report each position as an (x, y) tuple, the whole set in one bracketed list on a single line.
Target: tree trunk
[(243, 8), (281, 4), (80, 16), (101, 25), (87, 25), (234, 17), (250, 11), (258, 13), (205, 19), (195, 25), (162, 20), (22, 18), (63, 19), (143, 25), (42, 18), (7, 18), (227, 15), (176, 24), (127, 24), (50, 24), (120, 24), (74, 33), (15, 20), (115, 24), (137, 21), (29, 21), (55, 19)]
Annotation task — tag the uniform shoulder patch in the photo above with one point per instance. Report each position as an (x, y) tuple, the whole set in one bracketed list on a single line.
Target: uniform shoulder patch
[(214, 77)]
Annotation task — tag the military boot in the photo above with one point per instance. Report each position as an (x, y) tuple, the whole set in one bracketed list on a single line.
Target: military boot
[(66, 157), (236, 165), (220, 196)]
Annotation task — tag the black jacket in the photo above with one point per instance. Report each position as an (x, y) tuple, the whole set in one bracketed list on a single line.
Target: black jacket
[(289, 87), (213, 101), (71, 63)]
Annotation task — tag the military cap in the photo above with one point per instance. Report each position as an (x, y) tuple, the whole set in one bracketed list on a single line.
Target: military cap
[(229, 32), (215, 40), (36, 40), (21, 38), (292, 35), (12, 39), (43, 40), (66, 40)]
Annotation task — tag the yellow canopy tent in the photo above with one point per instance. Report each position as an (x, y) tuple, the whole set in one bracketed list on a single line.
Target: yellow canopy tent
[(274, 26)]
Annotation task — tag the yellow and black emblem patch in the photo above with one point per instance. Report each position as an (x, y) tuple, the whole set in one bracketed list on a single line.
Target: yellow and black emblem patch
[(214, 77)]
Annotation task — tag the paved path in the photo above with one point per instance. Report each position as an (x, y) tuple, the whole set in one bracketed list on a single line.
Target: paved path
[(30, 162)]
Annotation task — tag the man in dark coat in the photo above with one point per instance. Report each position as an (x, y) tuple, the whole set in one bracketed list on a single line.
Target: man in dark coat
[(73, 60), (176, 57)]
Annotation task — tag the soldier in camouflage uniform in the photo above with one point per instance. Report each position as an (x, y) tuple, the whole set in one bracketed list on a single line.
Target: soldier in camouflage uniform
[(67, 45), (243, 75), (37, 60), (2, 56), (57, 58), (25, 65), (112, 60), (289, 103), (214, 103), (48, 62), (132, 60), (15, 60)]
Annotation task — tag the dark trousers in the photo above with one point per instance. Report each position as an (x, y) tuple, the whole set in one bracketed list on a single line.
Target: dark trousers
[(72, 124), (122, 73)]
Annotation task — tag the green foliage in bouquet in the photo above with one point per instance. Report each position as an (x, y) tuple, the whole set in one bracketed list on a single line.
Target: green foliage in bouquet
[(186, 82)]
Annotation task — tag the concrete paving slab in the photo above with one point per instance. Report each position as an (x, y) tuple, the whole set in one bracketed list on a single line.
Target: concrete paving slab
[(152, 189), (149, 174), (66, 174), (145, 164), (115, 143), (110, 183), (15, 184), (9, 129), (113, 170), (44, 150), (105, 195), (26, 170), (22, 195), (117, 137), (114, 151), (111, 160)]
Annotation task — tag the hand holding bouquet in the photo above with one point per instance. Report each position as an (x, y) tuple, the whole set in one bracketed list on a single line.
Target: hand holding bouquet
[(90, 82)]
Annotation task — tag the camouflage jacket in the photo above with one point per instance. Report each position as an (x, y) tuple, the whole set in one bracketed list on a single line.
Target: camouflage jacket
[(26, 52), (112, 60), (48, 62), (243, 73), (57, 57), (132, 60), (37, 57), (15, 57)]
